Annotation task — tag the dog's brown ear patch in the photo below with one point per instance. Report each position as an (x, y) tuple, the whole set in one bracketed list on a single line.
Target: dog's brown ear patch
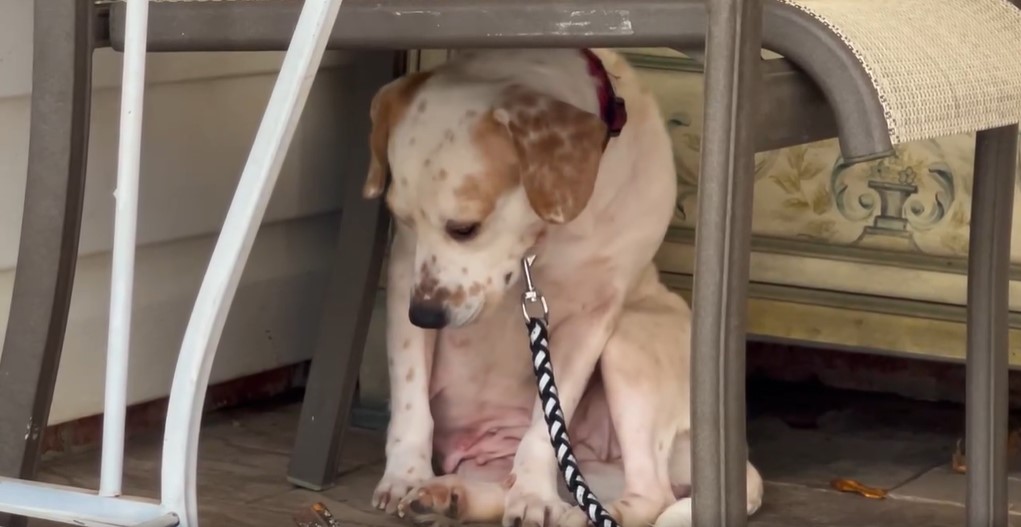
[(479, 192), (559, 146), (388, 107)]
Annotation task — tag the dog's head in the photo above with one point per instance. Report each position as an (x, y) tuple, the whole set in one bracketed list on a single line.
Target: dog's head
[(478, 173)]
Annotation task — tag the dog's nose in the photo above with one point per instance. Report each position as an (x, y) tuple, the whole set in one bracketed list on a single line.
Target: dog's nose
[(428, 315)]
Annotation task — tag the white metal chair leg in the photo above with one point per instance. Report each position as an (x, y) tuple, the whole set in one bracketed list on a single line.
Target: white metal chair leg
[(125, 223), (180, 445)]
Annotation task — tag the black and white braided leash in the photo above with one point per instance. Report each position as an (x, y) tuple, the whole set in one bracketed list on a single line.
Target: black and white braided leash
[(538, 338)]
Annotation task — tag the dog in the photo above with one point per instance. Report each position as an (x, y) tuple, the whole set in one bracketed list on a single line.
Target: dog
[(492, 156)]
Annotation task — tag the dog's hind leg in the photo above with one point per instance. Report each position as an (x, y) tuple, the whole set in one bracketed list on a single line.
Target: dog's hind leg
[(679, 514), (644, 378)]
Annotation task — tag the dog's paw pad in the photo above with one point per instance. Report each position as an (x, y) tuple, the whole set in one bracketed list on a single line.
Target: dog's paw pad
[(438, 502)]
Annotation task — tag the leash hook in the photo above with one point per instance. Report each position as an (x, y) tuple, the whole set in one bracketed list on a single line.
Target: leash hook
[(532, 296)]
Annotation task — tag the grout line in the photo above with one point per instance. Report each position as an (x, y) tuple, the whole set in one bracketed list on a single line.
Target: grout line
[(918, 499)]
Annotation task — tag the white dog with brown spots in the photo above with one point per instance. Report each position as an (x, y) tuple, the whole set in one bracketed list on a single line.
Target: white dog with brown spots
[(494, 155)]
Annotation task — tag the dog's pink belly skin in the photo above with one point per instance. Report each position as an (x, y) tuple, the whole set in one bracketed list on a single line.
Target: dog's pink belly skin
[(495, 434), (482, 395), (481, 442)]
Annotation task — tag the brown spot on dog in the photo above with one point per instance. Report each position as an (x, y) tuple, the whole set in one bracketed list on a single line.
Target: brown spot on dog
[(559, 146), (507, 278), (410, 375), (448, 136), (475, 289), (489, 280), (411, 470), (427, 162), (388, 107), (457, 298), (411, 141), (550, 142), (464, 270), (421, 106), (407, 406), (427, 285), (478, 192), (442, 175), (406, 344), (404, 181)]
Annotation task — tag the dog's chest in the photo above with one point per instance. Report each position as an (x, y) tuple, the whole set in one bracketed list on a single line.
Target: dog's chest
[(485, 368), (489, 354)]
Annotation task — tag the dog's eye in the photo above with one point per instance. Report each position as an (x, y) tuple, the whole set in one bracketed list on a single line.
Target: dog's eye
[(462, 231)]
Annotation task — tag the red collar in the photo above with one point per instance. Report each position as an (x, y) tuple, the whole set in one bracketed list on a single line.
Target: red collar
[(612, 109)]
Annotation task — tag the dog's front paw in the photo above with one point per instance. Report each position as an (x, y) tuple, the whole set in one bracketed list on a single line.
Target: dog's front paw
[(437, 502), (525, 508), (396, 484), (391, 490)]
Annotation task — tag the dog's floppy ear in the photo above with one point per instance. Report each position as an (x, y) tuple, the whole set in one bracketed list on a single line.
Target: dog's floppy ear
[(388, 107), (559, 146)]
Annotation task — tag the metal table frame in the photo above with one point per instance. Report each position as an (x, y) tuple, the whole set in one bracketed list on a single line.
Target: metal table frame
[(741, 91)]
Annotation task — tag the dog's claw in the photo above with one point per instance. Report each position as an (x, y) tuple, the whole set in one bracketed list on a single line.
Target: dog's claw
[(390, 492), (529, 510)]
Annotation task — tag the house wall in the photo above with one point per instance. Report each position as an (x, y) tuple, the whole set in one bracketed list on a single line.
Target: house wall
[(201, 114)]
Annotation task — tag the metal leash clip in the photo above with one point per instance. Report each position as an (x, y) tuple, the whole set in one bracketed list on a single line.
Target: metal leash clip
[(532, 296)]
